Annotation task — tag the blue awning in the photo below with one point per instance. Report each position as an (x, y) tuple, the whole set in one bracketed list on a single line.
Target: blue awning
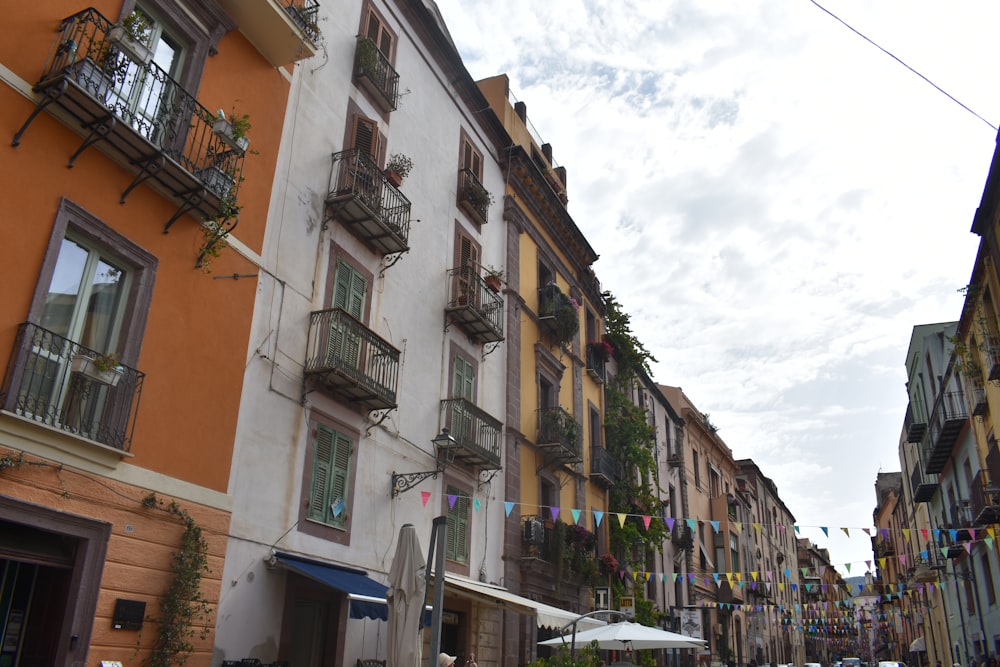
[(367, 596)]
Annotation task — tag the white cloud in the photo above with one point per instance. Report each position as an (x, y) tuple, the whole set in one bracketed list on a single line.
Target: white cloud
[(775, 201)]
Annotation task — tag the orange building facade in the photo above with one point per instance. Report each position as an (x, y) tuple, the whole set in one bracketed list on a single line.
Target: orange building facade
[(127, 308)]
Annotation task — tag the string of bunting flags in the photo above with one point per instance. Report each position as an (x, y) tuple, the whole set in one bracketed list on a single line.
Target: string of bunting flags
[(931, 537)]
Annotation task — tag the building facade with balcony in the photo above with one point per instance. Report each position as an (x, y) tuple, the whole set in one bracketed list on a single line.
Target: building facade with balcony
[(378, 372), (125, 361), (558, 469), (713, 515), (774, 553)]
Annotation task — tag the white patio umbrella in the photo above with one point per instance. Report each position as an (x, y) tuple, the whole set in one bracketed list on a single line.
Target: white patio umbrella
[(626, 635), (405, 598)]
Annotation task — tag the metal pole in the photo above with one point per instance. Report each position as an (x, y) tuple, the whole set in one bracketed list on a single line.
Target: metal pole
[(435, 555)]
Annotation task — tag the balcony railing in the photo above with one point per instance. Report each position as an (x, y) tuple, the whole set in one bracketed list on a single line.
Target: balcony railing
[(478, 436), (153, 127), (474, 198), (350, 360), (375, 74), (984, 499), (558, 436), (595, 361), (603, 467), (363, 200), (914, 424), (977, 393), (557, 314), (949, 415), (924, 485), (993, 358), (305, 14), (50, 380), (474, 306)]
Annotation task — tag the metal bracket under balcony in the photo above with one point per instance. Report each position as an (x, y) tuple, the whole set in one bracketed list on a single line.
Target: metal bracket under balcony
[(474, 306), (949, 416), (362, 199), (476, 436), (558, 436), (603, 467), (148, 123), (350, 360)]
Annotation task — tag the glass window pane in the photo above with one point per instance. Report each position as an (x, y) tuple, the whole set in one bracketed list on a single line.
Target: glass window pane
[(64, 290), (102, 307)]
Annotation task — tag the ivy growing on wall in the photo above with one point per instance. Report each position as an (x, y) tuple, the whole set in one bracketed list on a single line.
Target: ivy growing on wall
[(631, 439)]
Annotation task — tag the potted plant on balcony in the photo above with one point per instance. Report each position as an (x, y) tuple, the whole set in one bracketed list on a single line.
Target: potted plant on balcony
[(131, 36), (103, 368), (366, 58), (397, 168), (494, 278), (233, 130), (477, 197)]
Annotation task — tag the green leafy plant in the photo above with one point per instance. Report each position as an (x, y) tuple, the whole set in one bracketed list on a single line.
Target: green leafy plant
[(214, 234), (137, 27), (366, 57), (478, 197), (399, 163), (183, 604), (106, 362)]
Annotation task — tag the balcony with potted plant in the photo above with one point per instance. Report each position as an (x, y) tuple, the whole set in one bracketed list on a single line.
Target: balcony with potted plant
[(362, 198), (474, 305), (142, 118), (57, 382), (375, 75), (397, 168), (598, 354), (474, 198), (558, 436), (558, 314)]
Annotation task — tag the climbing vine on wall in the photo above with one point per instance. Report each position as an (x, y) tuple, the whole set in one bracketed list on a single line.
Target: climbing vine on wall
[(182, 606)]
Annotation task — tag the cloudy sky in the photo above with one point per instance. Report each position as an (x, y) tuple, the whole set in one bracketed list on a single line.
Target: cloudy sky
[(775, 201)]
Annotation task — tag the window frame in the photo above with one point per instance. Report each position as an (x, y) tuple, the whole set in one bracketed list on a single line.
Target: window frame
[(369, 12), (339, 254), (78, 223), (463, 499), (312, 526)]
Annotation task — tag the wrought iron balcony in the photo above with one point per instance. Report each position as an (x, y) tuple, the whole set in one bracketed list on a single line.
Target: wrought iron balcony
[(374, 73), (350, 360), (284, 31), (984, 499), (149, 123), (365, 202), (949, 415), (603, 467), (993, 460), (52, 380), (993, 358), (924, 485), (474, 306), (884, 547), (557, 314), (558, 436), (474, 198), (477, 436), (977, 392), (915, 424), (595, 362)]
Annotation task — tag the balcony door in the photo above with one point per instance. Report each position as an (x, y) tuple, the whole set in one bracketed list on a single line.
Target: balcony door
[(83, 306), (350, 291), (146, 95), (463, 386)]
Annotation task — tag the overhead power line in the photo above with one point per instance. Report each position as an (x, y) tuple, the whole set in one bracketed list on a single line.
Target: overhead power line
[(937, 87)]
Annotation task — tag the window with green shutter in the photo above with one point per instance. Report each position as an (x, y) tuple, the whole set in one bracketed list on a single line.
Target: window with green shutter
[(457, 547), (331, 468), (463, 385), (350, 291)]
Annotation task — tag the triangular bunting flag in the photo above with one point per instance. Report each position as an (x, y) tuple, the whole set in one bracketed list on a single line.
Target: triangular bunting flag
[(598, 515), (555, 512), (645, 520), (796, 528), (826, 531), (670, 523), (425, 496), (847, 531), (451, 500), (476, 504), (576, 515), (508, 507), (715, 526), (621, 519)]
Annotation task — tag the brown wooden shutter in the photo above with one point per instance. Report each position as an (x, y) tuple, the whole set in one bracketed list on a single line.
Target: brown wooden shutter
[(365, 136)]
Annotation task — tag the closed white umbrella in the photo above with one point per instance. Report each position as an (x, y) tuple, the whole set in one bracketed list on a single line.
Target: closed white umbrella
[(405, 598), (626, 635)]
